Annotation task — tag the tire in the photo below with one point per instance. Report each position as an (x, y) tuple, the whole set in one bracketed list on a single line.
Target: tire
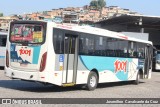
[(136, 82), (92, 81)]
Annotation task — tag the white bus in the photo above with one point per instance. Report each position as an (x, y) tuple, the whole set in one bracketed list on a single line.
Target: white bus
[(70, 55), (156, 60), (3, 39)]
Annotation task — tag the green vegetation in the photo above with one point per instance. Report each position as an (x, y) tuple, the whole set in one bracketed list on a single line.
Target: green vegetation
[(1, 14), (98, 5), (94, 5)]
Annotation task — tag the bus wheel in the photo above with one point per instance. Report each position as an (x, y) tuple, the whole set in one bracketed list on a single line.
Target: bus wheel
[(136, 82), (92, 81)]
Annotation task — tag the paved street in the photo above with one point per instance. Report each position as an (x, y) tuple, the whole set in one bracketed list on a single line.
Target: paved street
[(22, 89)]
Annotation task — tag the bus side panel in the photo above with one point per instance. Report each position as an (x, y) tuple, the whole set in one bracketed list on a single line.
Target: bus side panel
[(60, 71), (53, 72), (82, 72), (110, 69), (133, 69)]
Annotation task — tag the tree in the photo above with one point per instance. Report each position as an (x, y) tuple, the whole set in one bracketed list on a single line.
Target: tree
[(98, 5), (94, 5), (1, 14), (101, 4)]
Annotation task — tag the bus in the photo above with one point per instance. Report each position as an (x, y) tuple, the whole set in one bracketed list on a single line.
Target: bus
[(156, 60), (3, 39), (65, 55)]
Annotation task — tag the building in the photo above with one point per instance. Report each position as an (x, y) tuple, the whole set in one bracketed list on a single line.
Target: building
[(71, 15), (4, 21), (117, 11), (71, 18)]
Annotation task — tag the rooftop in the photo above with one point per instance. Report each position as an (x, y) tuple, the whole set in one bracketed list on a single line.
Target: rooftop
[(144, 21)]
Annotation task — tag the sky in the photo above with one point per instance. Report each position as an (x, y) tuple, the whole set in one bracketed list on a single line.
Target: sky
[(8, 7)]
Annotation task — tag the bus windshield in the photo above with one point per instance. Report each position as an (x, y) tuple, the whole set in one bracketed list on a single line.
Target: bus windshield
[(29, 33)]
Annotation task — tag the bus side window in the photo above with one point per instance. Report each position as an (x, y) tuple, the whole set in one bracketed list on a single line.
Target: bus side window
[(100, 46), (121, 48), (110, 47), (90, 46), (81, 46), (140, 50), (58, 40), (132, 50), (83, 42)]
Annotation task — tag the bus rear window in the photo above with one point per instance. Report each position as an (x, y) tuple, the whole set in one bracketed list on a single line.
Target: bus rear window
[(29, 33)]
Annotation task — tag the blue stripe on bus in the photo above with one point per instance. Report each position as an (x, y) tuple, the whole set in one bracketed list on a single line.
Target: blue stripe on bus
[(36, 54), (2, 56), (105, 63)]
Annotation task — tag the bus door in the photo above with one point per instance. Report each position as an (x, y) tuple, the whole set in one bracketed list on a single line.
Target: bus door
[(148, 61), (157, 60), (70, 58)]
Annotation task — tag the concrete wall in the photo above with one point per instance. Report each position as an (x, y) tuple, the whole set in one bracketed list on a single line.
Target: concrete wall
[(154, 35), (143, 36), (118, 27)]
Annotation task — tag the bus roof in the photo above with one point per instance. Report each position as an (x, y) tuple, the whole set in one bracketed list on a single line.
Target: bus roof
[(101, 32)]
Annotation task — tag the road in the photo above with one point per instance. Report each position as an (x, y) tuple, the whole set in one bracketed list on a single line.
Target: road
[(23, 89)]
